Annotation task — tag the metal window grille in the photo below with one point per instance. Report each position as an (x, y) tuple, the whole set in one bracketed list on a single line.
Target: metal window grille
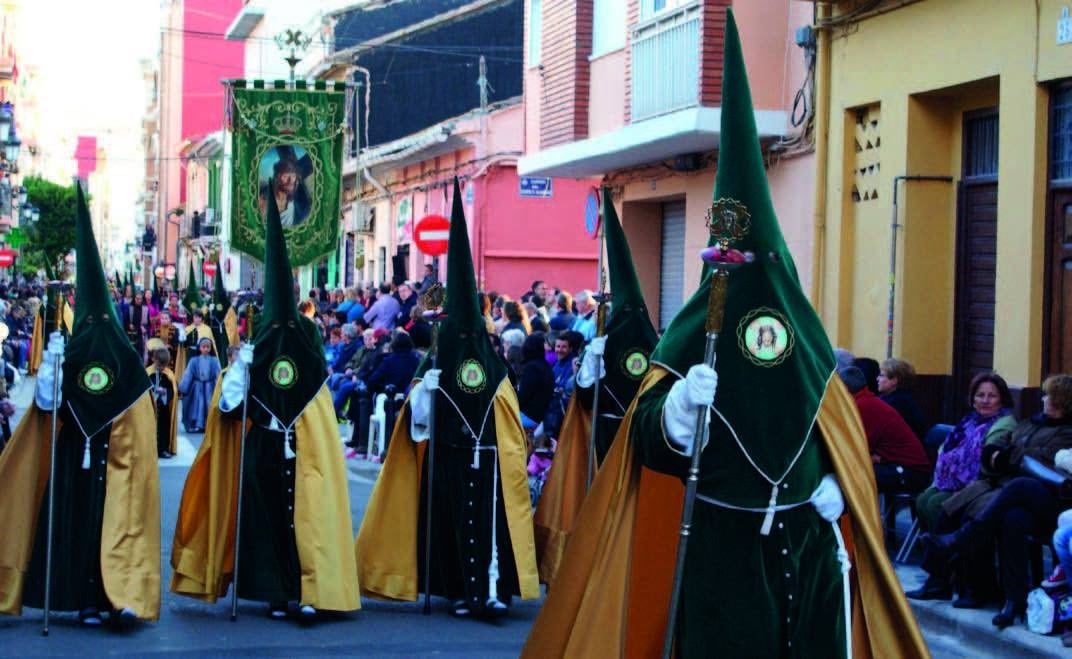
[(1061, 129)]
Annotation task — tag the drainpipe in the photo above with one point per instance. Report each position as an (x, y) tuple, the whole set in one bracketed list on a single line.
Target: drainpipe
[(822, 151), (376, 184), (893, 253)]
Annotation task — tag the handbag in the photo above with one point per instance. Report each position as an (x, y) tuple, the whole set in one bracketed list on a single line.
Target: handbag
[(1058, 482)]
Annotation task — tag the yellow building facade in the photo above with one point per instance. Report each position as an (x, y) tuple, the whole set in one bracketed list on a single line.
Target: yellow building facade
[(944, 188)]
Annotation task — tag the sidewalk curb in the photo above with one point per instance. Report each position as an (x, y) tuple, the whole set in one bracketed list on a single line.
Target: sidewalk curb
[(972, 630)]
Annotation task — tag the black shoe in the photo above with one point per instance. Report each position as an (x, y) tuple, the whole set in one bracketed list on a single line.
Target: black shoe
[(90, 617), (1009, 613), (932, 589), (460, 609), (494, 609), (968, 601), (277, 610)]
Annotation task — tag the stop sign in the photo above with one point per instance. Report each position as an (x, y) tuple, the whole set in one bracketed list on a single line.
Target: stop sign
[(7, 258), (209, 267), (431, 234)]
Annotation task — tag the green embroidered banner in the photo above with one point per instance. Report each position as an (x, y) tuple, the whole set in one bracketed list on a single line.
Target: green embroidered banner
[(292, 141)]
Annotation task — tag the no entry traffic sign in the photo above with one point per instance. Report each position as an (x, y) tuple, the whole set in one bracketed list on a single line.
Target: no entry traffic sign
[(209, 267), (431, 234)]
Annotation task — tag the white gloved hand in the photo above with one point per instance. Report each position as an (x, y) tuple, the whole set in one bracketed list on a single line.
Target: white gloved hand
[(431, 379), (592, 366), (245, 354), (420, 405), (827, 499), (686, 398), (55, 345)]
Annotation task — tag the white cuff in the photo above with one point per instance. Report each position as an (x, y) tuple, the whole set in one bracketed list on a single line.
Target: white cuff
[(679, 420), (590, 365), (49, 377), (233, 389), (420, 409)]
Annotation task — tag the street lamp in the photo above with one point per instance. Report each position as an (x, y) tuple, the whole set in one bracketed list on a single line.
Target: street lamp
[(23, 195), (35, 214)]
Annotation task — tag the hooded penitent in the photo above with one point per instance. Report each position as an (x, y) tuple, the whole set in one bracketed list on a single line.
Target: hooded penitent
[(479, 468), (630, 341), (780, 421), (191, 300), (288, 363), (223, 319), (107, 490), (102, 374), (296, 531)]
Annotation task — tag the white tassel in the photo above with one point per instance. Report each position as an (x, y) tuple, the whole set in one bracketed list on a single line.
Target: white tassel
[(493, 566), (768, 519), (85, 456), (288, 453)]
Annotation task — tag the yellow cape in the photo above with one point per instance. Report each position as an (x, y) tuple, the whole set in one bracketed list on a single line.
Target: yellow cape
[(130, 540), (386, 547), (230, 327), (39, 337), (564, 491), (202, 554), (173, 447), (618, 567)]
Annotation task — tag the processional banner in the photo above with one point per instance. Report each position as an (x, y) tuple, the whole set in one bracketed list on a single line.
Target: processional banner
[(287, 139)]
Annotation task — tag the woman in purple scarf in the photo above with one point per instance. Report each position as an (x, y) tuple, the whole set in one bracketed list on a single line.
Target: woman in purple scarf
[(959, 458)]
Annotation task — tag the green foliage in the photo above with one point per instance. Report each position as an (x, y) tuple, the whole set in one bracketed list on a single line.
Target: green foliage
[(51, 238)]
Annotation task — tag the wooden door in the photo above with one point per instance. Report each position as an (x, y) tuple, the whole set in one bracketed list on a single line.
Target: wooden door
[(1060, 280)]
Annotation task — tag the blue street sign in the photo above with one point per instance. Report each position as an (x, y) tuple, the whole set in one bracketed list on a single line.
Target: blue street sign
[(534, 187), (591, 213)]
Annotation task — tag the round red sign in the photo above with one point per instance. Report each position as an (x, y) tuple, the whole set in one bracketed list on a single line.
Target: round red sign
[(209, 267), (7, 258), (431, 234)]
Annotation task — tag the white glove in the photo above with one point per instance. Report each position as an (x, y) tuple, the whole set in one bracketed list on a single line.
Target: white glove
[(431, 379), (420, 405), (686, 398), (245, 354), (55, 345), (827, 499), (1063, 460), (235, 379), (592, 363)]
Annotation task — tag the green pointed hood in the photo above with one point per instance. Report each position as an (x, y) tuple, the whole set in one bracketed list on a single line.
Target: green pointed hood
[(130, 279), (472, 370), (102, 375), (630, 335), (221, 304), (769, 396), (119, 283), (288, 355), (191, 300)]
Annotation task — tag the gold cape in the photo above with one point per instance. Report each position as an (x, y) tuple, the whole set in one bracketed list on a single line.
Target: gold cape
[(230, 327), (202, 555), (130, 533), (386, 546), (40, 337), (617, 571), (173, 447), (563, 493)]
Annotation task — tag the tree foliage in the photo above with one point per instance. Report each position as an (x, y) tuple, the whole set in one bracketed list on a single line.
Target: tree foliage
[(51, 238)]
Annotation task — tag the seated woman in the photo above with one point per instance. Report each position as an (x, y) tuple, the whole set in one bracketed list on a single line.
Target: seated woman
[(895, 379), (1006, 503), (958, 462)]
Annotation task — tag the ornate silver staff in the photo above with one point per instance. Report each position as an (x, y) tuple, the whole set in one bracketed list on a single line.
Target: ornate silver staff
[(432, 300), (728, 221), (57, 287)]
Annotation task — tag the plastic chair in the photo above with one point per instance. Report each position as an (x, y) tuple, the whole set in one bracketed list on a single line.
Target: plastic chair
[(932, 442), (377, 427)]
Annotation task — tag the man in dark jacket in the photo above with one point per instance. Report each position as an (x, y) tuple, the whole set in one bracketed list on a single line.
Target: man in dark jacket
[(895, 378), (397, 367)]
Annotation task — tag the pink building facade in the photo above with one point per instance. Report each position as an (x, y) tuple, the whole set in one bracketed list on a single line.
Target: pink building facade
[(194, 58), (626, 94)]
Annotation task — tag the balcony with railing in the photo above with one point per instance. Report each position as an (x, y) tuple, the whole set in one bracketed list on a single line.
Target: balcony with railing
[(666, 63)]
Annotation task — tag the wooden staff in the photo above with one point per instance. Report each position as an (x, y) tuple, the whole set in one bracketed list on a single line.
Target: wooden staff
[(728, 220)]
